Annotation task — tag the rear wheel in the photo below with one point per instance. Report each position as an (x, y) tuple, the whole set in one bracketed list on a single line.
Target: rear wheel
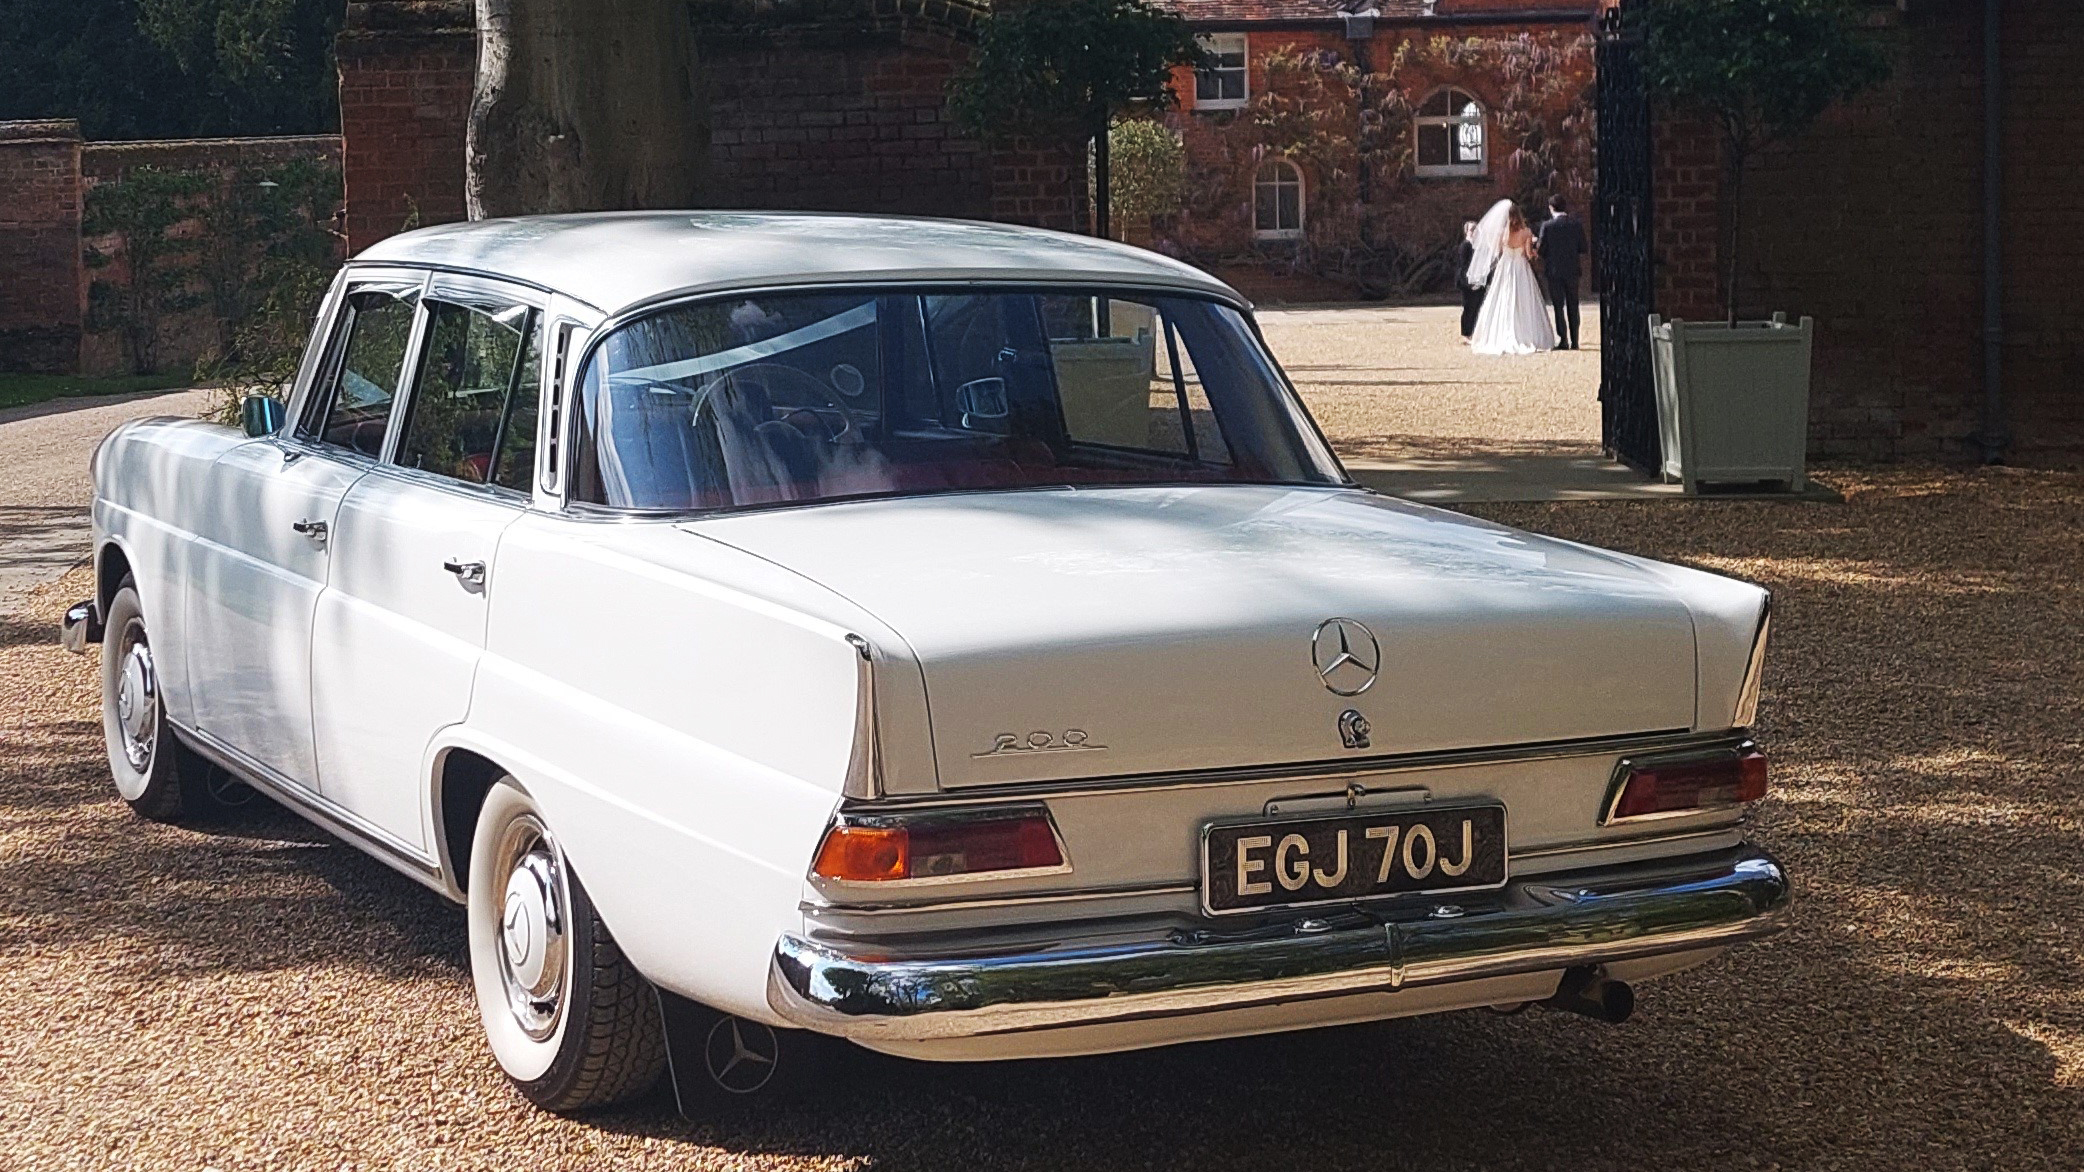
[(161, 778), (571, 1022)]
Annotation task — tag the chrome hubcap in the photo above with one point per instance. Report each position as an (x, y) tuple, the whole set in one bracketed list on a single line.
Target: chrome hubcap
[(137, 704), (533, 948)]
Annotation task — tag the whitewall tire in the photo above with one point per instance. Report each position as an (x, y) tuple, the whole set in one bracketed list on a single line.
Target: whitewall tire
[(158, 776), (571, 1022)]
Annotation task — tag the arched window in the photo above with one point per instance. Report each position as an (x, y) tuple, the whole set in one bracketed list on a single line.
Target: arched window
[(1277, 201), (1451, 135)]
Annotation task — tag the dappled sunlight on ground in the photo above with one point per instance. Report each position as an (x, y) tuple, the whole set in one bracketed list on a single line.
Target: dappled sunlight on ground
[(256, 995)]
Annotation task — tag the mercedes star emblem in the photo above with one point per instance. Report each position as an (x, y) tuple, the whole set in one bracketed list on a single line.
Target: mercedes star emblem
[(1346, 656), (741, 1054)]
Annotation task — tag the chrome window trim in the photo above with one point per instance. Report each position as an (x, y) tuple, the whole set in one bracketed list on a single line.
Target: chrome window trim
[(598, 335)]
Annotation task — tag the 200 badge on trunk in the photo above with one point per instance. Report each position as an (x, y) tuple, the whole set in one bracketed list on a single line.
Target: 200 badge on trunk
[(1251, 865)]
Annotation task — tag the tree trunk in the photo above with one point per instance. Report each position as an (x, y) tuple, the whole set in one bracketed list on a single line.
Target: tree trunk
[(1736, 230), (584, 105)]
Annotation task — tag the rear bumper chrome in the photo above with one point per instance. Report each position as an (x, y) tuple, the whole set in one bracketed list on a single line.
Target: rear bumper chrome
[(1560, 921), (80, 626)]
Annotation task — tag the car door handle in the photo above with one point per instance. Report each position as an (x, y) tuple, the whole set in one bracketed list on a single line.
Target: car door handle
[(315, 530), (469, 573)]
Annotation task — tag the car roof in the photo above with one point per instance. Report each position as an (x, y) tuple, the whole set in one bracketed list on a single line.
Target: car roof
[(616, 261)]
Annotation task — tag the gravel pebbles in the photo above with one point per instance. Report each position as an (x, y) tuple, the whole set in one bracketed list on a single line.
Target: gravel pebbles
[(259, 996)]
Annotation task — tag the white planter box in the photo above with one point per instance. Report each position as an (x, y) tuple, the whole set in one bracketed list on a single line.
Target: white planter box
[(1733, 401)]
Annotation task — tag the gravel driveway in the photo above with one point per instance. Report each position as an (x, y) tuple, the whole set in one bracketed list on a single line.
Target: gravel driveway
[(260, 997)]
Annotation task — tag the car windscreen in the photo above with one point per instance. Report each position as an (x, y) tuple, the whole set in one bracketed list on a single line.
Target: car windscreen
[(801, 397)]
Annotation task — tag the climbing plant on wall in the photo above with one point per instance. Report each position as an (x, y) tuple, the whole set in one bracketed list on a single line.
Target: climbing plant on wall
[(1372, 219)]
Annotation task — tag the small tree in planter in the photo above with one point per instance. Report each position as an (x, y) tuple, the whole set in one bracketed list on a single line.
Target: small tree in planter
[(1065, 69), (1733, 398), (1761, 70)]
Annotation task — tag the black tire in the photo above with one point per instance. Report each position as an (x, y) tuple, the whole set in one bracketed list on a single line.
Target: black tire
[(588, 1037), (156, 775)]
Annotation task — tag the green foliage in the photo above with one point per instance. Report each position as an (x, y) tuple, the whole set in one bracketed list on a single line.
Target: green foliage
[(1063, 68), (21, 390), (156, 278), (1149, 164), (172, 68), (1760, 70), (272, 260)]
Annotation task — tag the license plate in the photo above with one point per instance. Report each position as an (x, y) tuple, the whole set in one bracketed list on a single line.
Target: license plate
[(1251, 865)]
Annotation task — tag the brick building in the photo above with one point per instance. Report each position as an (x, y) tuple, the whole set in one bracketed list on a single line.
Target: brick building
[(1336, 145), (812, 106), (1873, 225)]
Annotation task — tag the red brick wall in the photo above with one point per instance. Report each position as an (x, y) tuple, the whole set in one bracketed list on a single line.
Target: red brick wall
[(404, 110), (1872, 224), (42, 291)]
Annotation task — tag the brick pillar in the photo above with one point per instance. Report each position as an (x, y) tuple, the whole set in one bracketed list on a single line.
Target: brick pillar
[(1686, 190), (42, 281), (1040, 186), (406, 72)]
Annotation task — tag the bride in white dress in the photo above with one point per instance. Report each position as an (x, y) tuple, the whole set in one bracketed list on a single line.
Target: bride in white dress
[(1514, 318)]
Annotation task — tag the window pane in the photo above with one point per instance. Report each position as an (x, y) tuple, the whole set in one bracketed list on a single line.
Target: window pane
[(691, 409), (1438, 105), (359, 403), (1435, 146), (466, 370), (1266, 214), (515, 464), (1290, 206)]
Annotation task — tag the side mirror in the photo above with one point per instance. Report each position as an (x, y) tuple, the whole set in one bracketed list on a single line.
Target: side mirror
[(983, 398), (261, 415)]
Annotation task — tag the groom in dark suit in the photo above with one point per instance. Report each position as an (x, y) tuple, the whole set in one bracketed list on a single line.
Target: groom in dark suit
[(1562, 248), (1472, 295)]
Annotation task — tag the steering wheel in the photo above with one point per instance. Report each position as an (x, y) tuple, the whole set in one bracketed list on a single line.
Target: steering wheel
[(775, 374)]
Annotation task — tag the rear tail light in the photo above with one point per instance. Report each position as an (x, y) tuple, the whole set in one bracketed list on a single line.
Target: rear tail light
[(894, 850), (1667, 788)]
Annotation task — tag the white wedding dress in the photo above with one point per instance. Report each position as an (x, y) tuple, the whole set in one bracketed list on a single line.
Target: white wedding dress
[(1515, 316)]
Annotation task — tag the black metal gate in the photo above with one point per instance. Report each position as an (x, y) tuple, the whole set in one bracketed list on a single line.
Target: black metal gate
[(1622, 223)]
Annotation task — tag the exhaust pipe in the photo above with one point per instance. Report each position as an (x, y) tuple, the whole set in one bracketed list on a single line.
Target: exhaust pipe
[(1585, 991)]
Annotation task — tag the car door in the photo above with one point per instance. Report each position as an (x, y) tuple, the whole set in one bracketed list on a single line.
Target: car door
[(265, 536), (401, 622)]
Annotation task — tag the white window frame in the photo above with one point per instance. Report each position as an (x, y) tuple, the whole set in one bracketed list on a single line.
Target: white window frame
[(1301, 200), (1458, 118), (1226, 43)]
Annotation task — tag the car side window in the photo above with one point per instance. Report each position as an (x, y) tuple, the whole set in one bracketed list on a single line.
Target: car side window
[(356, 405), (473, 411)]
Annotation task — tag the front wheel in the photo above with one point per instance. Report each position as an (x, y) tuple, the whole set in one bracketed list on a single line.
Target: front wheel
[(158, 776), (571, 1022)]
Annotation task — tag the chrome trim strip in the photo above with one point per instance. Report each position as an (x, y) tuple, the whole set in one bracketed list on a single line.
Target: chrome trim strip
[(387, 848), (1746, 714), (1607, 844), (865, 762), (1588, 918), (1005, 901), (1316, 771)]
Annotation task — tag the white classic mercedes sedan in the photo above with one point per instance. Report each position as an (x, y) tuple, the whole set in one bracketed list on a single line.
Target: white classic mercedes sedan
[(953, 638)]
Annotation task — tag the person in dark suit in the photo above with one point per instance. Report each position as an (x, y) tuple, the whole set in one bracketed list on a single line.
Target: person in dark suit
[(1562, 247), (1472, 295)]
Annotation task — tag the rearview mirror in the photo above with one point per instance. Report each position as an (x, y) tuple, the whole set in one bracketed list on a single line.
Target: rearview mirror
[(260, 415), (984, 398)]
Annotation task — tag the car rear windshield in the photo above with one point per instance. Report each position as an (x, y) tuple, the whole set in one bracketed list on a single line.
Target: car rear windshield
[(801, 397)]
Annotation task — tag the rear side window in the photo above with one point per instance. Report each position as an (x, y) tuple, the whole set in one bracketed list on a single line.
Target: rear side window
[(473, 409), (356, 405)]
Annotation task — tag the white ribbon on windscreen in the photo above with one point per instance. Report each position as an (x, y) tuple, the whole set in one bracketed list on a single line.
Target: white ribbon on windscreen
[(853, 319)]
